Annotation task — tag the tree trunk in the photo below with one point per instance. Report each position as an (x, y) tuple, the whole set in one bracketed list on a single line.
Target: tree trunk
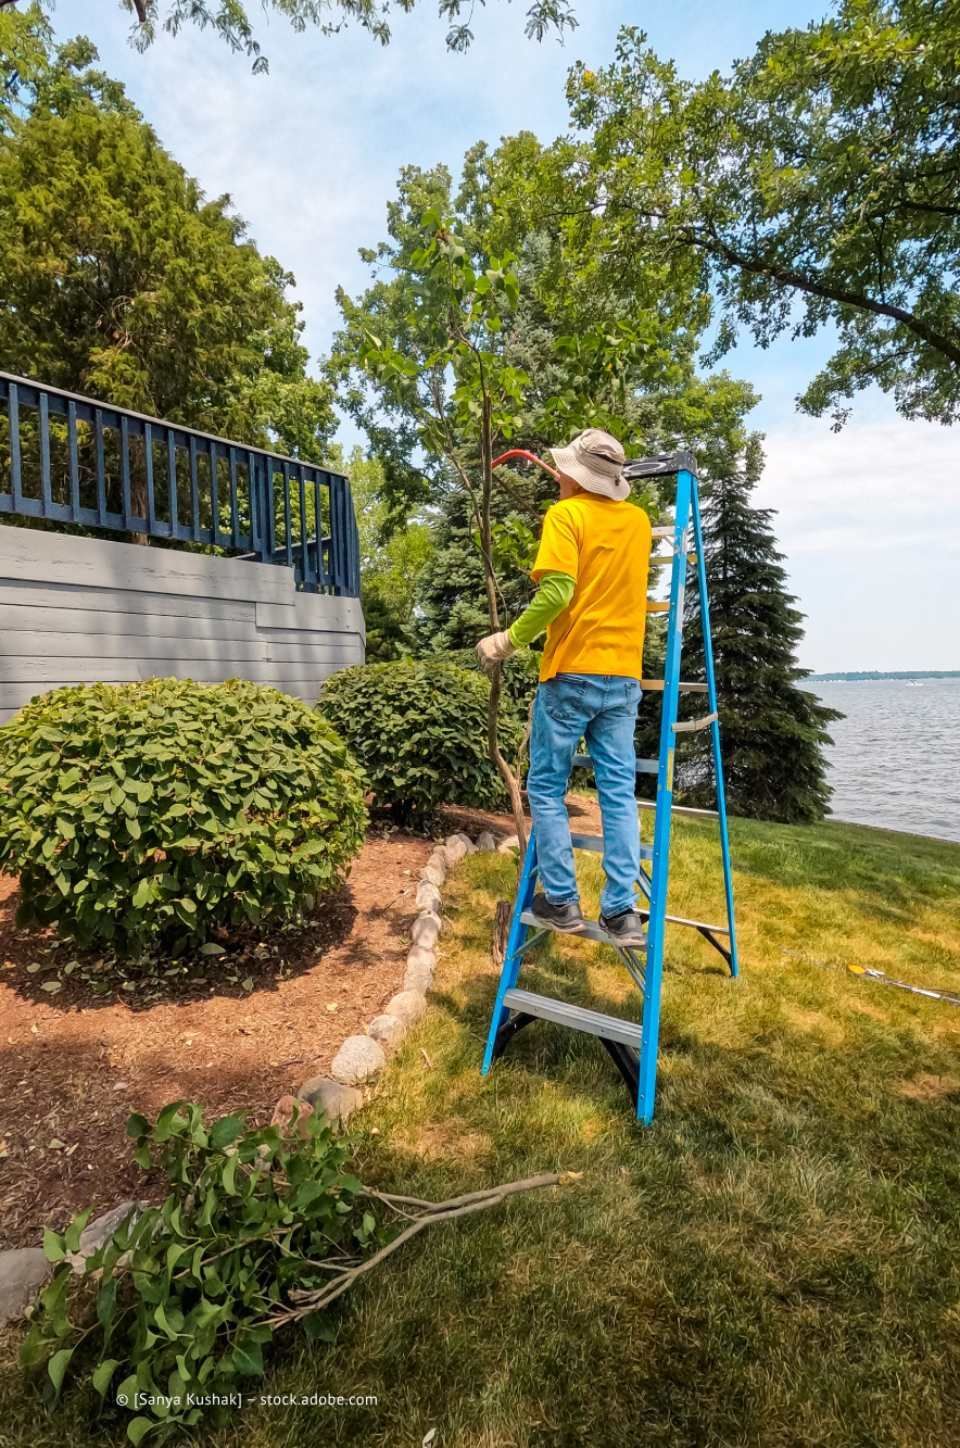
[(493, 704)]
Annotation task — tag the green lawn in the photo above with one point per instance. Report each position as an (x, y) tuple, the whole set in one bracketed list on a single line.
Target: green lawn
[(775, 1262)]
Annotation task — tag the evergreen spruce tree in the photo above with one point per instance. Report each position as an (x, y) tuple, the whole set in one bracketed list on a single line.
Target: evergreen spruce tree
[(772, 731)]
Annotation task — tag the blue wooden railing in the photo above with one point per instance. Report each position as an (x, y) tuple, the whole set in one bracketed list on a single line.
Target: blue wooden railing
[(73, 460)]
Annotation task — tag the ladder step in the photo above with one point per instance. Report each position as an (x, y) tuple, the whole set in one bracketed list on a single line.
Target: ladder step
[(682, 920), (658, 605), (591, 931), (595, 843), (679, 809), (657, 686), (575, 1018), (693, 726), (644, 766), (658, 560)]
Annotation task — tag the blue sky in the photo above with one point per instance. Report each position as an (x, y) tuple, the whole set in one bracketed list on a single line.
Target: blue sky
[(869, 520)]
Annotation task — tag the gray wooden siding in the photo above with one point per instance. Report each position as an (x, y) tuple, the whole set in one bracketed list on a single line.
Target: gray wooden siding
[(78, 610)]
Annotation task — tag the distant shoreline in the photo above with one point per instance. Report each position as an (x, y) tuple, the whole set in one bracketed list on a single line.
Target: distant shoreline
[(865, 675)]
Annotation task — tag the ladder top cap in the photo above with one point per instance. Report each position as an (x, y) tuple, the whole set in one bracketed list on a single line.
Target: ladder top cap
[(663, 465)]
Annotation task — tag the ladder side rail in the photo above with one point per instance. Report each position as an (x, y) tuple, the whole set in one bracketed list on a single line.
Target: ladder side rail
[(513, 954), (660, 873), (734, 961)]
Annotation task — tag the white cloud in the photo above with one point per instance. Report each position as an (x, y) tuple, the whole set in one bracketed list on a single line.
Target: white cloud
[(869, 520)]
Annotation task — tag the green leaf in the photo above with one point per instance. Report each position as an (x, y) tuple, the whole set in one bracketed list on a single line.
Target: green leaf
[(53, 1248), (247, 1358), (162, 1322), (138, 1428), (225, 1131), (212, 948), (317, 1328), (71, 1239), (174, 1252), (137, 1125), (102, 1375), (106, 1302), (143, 892), (57, 1367)]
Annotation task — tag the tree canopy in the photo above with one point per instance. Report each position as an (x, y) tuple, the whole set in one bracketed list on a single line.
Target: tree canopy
[(118, 277), (817, 186), (230, 19)]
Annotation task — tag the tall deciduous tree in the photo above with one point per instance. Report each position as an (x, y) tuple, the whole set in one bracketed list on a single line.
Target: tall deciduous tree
[(118, 277), (772, 730), (817, 187)]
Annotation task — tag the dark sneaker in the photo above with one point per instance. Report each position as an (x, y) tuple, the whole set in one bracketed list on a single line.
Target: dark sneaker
[(627, 928), (558, 917)]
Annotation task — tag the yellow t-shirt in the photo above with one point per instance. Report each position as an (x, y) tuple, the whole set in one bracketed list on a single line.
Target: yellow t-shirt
[(605, 548)]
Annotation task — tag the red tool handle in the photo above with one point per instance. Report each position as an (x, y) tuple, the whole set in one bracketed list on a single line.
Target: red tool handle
[(519, 452)]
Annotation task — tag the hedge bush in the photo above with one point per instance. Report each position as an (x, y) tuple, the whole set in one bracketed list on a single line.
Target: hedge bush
[(154, 813), (419, 730), (520, 674)]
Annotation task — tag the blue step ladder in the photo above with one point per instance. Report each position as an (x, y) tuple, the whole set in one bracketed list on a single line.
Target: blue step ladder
[(633, 1045)]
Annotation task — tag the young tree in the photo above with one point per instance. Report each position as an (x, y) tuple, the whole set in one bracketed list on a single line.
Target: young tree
[(118, 277), (772, 731), (818, 186), (430, 359), (427, 343)]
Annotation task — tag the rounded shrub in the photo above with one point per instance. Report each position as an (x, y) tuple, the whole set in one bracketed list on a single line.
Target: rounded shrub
[(519, 674), (155, 813), (418, 728)]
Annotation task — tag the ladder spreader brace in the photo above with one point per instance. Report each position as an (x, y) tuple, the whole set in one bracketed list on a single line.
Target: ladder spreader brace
[(633, 1045)]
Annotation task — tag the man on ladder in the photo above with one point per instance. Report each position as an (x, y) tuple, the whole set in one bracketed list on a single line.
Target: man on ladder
[(591, 568)]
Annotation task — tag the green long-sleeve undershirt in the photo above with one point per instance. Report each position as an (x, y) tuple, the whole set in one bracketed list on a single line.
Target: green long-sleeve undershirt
[(551, 598)]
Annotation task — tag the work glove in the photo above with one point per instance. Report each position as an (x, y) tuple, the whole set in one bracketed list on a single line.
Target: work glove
[(494, 649)]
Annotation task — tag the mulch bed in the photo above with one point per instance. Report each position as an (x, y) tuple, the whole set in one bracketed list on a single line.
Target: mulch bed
[(78, 1056)]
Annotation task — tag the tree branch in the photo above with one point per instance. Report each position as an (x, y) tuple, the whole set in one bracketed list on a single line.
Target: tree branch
[(308, 1302), (790, 277)]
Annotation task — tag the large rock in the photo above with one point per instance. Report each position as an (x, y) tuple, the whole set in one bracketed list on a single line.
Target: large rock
[(422, 955), (291, 1114), (512, 842), (407, 1005), (456, 846), (418, 976), (486, 841), (438, 861), (432, 874), (23, 1271), (359, 1058), (428, 897), (98, 1231), (386, 1028), (336, 1101), (426, 929)]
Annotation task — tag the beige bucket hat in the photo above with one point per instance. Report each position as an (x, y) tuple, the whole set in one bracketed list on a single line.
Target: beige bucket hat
[(595, 460)]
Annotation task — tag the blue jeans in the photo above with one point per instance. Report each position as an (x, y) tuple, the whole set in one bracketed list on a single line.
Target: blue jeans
[(602, 708)]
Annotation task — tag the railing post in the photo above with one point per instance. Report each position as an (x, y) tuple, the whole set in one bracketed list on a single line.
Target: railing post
[(255, 545), (16, 473), (101, 467), (126, 497), (46, 492)]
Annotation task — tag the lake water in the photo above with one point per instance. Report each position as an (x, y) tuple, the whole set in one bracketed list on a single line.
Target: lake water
[(895, 760)]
